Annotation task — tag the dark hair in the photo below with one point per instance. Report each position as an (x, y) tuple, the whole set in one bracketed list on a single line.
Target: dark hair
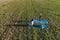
[(40, 16), (31, 19)]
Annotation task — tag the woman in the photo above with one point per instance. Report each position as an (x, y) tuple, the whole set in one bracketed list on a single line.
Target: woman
[(32, 22)]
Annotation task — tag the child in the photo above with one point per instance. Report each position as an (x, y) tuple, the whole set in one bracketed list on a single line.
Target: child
[(40, 17)]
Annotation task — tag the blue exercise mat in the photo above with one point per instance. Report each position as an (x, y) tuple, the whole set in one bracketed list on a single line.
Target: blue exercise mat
[(39, 27), (41, 21), (44, 27)]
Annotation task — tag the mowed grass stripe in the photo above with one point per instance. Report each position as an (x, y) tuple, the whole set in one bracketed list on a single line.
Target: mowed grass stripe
[(13, 6)]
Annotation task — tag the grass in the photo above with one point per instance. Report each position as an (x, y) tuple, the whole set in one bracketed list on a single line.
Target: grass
[(16, 9)]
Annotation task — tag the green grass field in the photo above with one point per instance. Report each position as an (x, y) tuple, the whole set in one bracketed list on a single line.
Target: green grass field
[(17, 9)]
